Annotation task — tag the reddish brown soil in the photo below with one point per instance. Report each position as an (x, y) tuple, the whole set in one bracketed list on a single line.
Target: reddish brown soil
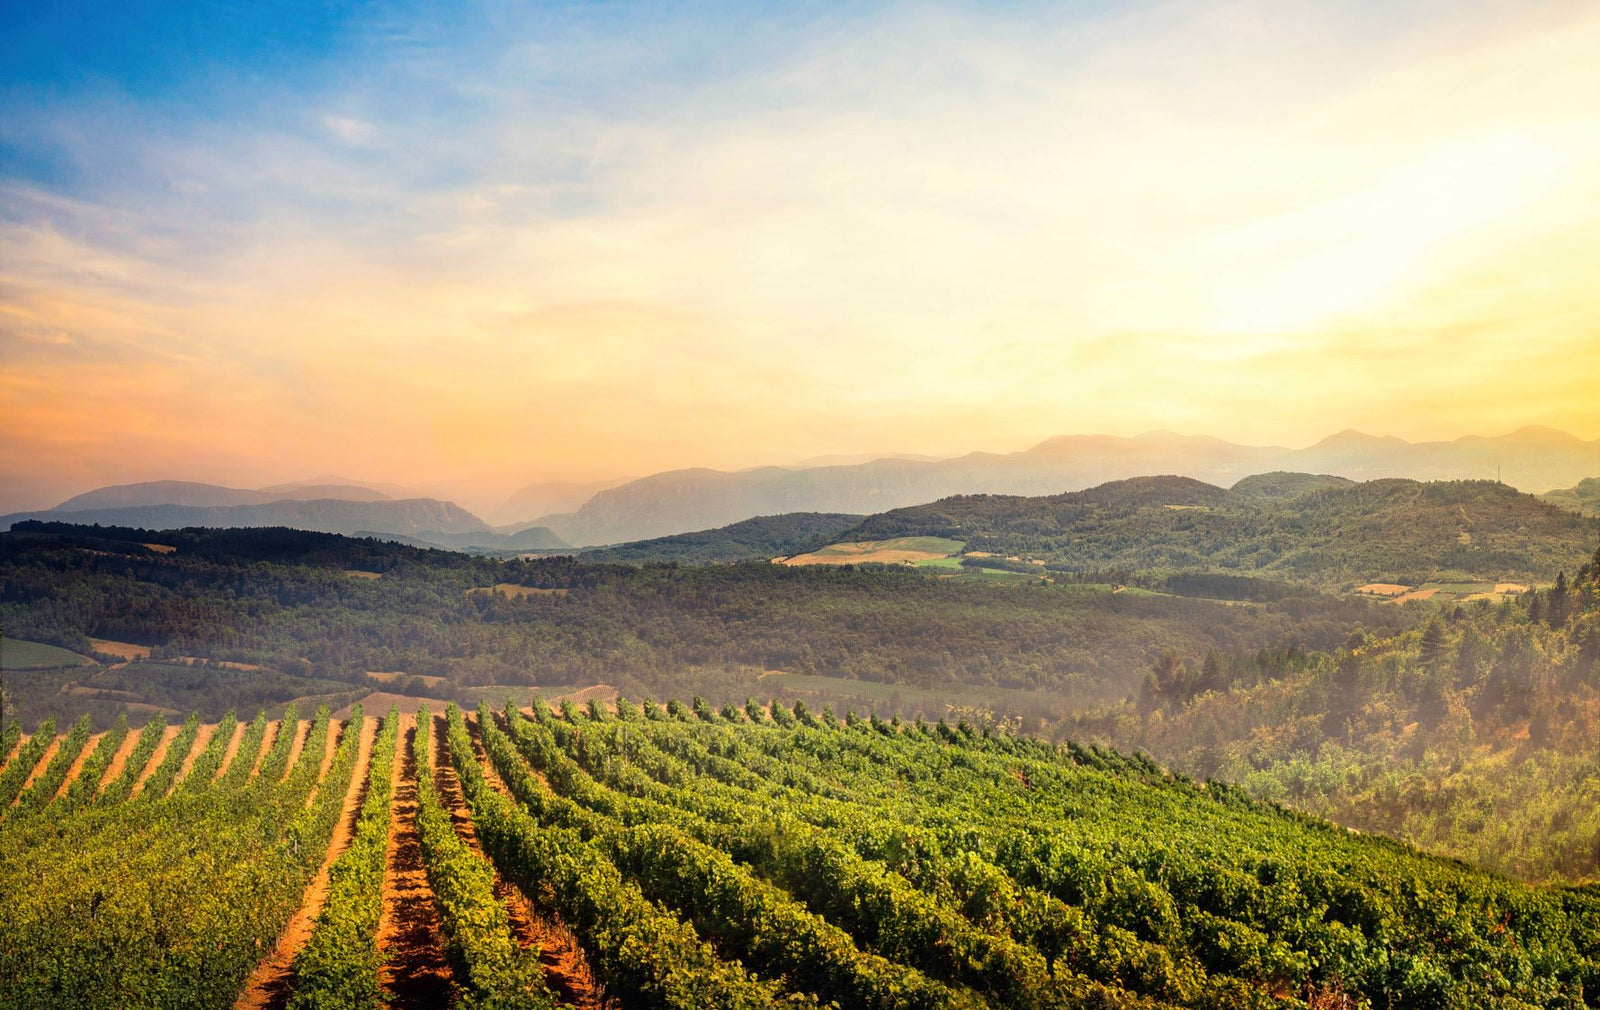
[(77, 764), (119, 760), (5, 758), (267, 740), (416, 974), (330, 746), (566, 968), (272, 982), (160, 755), (239, 730), (203, 737), (302, 730), (44, 762)]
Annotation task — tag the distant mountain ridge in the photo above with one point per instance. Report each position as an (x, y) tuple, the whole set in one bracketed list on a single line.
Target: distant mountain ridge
[(414, 517), (683, 501), (676, 501), (191, 493)]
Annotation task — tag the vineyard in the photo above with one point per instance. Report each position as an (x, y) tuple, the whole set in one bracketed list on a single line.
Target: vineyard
[(680, 856)]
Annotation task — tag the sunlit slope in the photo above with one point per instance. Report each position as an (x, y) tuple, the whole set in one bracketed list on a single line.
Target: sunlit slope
[(1328, 533)]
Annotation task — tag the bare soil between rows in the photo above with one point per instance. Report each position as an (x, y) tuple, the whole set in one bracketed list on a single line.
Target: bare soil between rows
[(271, 985), (416, 974)]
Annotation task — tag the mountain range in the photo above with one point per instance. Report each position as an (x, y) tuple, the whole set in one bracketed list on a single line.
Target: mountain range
[(1531, 459), (423, 518), (680, 501)]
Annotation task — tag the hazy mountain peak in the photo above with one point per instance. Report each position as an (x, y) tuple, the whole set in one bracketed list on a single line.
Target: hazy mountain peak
[(300, 488), (161, 492), (1544, 435), (1351, 438)]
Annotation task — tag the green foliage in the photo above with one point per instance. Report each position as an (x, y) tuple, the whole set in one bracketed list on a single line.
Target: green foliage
[(83, 787), (209, 762), (165, 902), (160, 780), (338, 967), (244, 758), (1073, 877), (10, 734), (643, 956), (317, 631), (495, 971), (1471, 736), (276, 762), (24, 761), (17, 655), (138, 759), (1329, 534), (45, 787)]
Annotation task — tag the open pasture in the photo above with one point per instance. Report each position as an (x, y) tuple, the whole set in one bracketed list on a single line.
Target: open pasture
[(896, 551)]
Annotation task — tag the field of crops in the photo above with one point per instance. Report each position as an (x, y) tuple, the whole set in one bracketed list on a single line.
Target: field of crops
[(677, 856)]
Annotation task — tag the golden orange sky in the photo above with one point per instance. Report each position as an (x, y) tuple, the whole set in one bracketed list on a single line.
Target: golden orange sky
[(532, 254)]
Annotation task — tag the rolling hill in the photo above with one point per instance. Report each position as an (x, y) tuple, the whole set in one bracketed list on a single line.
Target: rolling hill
[(1584, 498), (1389, 529)]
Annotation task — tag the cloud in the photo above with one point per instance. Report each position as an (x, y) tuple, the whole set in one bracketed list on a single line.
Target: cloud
[(351, 131), (574, 245)]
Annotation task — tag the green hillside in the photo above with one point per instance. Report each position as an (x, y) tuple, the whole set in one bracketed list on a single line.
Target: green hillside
[(16, 654), (285, 600), (1584, 498), (1336, 533)]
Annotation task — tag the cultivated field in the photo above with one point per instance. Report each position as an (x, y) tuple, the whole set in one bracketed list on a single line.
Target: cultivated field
[(680, 857), (19, 655), (898, 551), (1453, 590)]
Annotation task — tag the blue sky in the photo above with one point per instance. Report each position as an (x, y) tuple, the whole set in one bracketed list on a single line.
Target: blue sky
[(497, 243)]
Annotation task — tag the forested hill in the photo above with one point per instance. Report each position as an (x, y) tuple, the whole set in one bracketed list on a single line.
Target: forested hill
[(761, 537), (1584, 497), (329, 607), (1335, 532)]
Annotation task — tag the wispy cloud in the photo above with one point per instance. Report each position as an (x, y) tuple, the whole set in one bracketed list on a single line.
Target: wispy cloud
[(571, 245)]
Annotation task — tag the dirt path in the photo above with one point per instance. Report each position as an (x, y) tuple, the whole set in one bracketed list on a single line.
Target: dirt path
[(239, 730), (77, 765), (566, 967), (119, 760), (330, 746), (38, 769), (415, 974), (201, 739), (267, 740), (302, 730), (165, 744), (272, 982)]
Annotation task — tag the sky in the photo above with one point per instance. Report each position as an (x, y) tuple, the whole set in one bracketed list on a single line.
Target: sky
[(467, 247)]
